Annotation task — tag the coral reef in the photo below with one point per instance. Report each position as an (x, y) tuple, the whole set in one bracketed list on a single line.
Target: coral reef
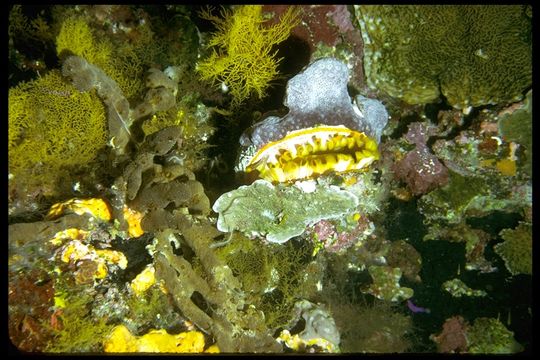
[(76, 38), (24, 326), (86, 76), (320, 331), (279, 213), (486, 176), (484, 336), (77, 331), (243, 61), (419, 168), (473, 55), (475, 243), (319, 323), (516, 126), (354, 229), (386, 285), (376, 328), (453, 337), (457, 288), (81, 35), (473, 195), (274, 276), (114, 245), (516, 250), (324, 30), (404, 256), (215, 302), (152, 181)]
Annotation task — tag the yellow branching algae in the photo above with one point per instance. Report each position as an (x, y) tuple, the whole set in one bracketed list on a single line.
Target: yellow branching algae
[(244, 61), (53, 128), (76, 38)]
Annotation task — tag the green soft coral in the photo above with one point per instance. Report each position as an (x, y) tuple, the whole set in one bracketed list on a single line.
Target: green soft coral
[(473, 55)]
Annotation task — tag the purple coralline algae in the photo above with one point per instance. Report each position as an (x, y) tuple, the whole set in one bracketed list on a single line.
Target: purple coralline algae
[(420, 169), (325, 233)]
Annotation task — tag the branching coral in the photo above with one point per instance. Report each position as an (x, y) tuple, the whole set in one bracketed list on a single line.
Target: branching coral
[(243, 60), (76, 38)]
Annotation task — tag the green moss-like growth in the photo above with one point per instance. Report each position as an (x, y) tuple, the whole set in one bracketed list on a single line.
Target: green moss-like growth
[(79, 331), (244, 60), (249, 262), (473, 55), (490, 336), (53, 128), (516, 250), (376, 328), (273, 276), (149, 309)]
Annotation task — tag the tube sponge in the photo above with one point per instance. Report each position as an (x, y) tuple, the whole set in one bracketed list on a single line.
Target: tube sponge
[(85, 77)]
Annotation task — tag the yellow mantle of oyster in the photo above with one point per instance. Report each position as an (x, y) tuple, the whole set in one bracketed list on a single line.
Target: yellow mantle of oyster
[(313, 151)]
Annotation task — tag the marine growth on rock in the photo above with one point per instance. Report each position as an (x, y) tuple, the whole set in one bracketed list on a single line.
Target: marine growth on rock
[(324, 130)]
